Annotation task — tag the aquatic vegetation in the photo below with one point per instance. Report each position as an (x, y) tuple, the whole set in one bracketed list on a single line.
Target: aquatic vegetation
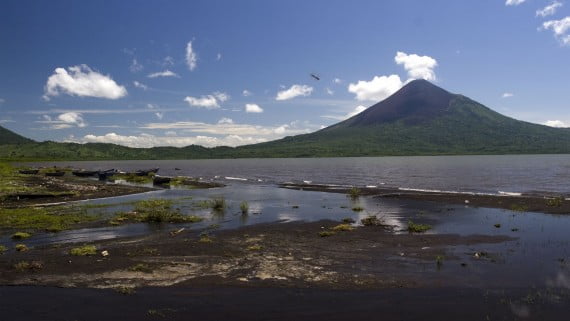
[(418, 228), (21, 247), (141, 267), (358, 208), (371, 220), (27, 266), (21, 235), (84, 250), (154, 211), (497, 225), (326, 233), (354, 192), (439, 261), (133, 178), (295, 206), (3, 249), (342, 228), (555, 202), (244, 207), (218, 204), (348, 220), (519, 207)]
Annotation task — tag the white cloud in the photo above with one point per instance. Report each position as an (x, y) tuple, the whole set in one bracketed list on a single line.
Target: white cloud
[(337, 80), (377, 89), (191, 57), (83, 82), (135, 66), (168, 61), (225, 120), (418, 67), (559, 28), (246, 93), (294, 91), (507, 95), (208, 101), (218, 57), (222, 97), (166, 73), (381, 87), (513, 2), (549, 9), (329, 91), (140, 85), (555, 123), (253, 108), (159, 115), (151, 106), (65, 120), (2, 100), (170, 133)]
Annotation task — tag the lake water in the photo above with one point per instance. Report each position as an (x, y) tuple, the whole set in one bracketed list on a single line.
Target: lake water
[(485, 174)]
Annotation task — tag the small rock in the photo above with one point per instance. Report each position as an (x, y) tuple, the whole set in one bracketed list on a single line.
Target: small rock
[(243, 279), (104, 253), (466, 201)]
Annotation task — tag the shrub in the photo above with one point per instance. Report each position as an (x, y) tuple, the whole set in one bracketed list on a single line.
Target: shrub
[(21, 247), (83, 250), (326, 233), (218, 204), (418, 228), (354, 192), (342, 228), (371, 221)]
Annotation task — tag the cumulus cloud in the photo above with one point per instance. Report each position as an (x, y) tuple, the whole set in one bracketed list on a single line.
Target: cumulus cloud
[(357, 110), (246, 93), (166, 73), (65, 120), (513, 2), (377, 89), (159, 115), (507, 95), (191, 57), (135, 66), (381, 87), (140, 85), (225, 120), (337, 80), (555, 123), (208, 101), (549, 9), (418, 67), (294, 91), (559, 28), (83, 82), (253, 108)]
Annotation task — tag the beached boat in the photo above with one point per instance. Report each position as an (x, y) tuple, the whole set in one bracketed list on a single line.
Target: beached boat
[(146, 172), (161, 180), (55, 173), (29, 171), (84, 173), (103, 175)]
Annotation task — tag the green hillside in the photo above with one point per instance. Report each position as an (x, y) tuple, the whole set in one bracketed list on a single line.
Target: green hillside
[(8, 137)]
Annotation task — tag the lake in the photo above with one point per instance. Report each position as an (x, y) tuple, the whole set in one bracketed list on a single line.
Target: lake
[(474, 173)]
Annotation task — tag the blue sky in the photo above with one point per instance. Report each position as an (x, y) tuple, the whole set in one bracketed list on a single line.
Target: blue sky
[(155, 73)]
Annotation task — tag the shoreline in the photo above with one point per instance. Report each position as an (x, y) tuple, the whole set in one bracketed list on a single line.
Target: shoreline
[(520, 203)]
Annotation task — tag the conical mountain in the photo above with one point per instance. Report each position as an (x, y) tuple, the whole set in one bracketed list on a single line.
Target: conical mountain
[(422, 119)]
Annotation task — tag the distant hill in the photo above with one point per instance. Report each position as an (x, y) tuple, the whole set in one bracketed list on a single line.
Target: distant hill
[(8, 137), (422, 119), (419, 119)]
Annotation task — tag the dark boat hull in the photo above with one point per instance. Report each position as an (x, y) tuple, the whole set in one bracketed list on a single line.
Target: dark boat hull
[(55, 174), (29, 171), (161, 180), (84, 173)]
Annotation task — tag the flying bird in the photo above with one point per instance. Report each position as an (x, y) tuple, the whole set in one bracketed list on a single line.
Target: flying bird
[(315, 77)]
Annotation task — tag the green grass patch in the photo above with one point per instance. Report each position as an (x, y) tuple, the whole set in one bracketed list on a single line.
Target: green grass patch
[(154, 211), (141, 267), (418, 228), (205, 238), (255, 247), (326, 233), (21, 235), (3, 249), (23, 266), (354, 192), (133, 178), (83, 250), (51, 219), (519, 207), (371, 220), (342, 228), (21, 247), (358, 208)]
